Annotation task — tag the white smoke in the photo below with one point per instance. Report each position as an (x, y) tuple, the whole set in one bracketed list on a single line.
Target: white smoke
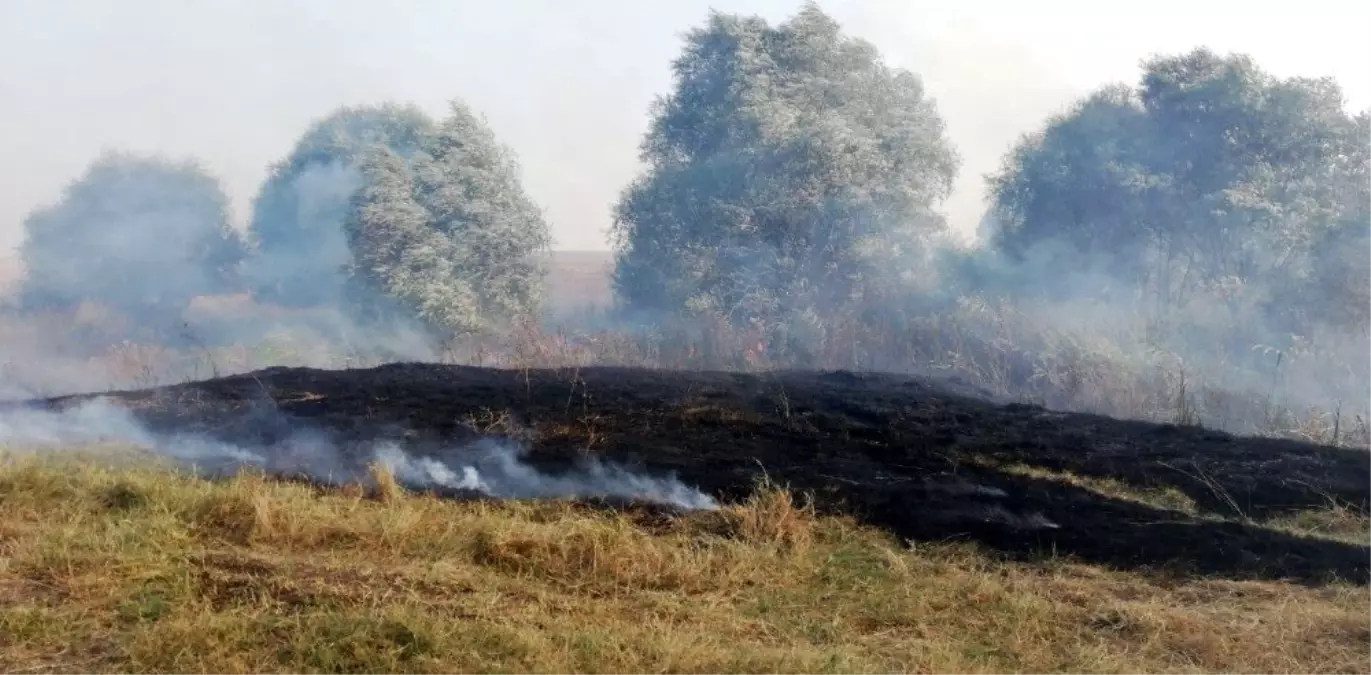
[(493, 467), (489, 466)]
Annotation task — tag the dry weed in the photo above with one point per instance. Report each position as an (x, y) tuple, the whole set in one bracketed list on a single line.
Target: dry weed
[(133, 570)]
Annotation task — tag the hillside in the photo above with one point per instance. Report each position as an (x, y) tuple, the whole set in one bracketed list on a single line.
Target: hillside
[(912, 456), (948, 533)]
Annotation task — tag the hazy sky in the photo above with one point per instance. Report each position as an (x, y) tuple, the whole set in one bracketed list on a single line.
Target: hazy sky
[(566, 84)]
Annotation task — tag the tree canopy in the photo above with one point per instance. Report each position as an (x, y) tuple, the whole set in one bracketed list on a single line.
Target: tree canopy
[(298, 214), (141, 235), (1209, 173), (448, 235), (789, 170)]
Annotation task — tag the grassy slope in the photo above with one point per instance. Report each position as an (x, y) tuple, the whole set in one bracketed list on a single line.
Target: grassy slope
[(132, 569)]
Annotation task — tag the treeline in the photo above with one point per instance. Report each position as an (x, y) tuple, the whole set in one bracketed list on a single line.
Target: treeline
[(379, 211), (1210, 177), (791, 177)]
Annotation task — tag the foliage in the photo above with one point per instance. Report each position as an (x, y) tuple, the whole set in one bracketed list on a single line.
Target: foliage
[(450, 234), (141, 235), (1079, 181), (1210, 177), (1343, 251), (298, 213), (789, 172)]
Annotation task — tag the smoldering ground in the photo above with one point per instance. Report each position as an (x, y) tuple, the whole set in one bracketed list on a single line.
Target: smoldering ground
[(489, 467), (900, 453)]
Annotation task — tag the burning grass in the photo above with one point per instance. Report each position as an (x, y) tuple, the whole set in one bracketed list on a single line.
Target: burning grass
[(120, 567)]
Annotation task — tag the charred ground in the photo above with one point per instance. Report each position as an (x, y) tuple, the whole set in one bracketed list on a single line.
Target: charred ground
[(926, 460)]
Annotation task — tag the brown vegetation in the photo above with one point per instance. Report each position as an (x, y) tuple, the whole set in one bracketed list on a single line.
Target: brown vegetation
[(130, 570)]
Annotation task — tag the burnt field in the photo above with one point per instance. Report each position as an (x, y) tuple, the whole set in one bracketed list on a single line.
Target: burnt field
[(926, 460)]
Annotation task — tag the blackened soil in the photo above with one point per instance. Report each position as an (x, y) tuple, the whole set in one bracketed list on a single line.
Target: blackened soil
[(911, 455)]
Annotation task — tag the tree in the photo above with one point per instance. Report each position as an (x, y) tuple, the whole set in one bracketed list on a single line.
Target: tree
[(1082, 182), (297, 219), (1337, 288), (142, 235), (1211, 174), (448, 234), (789, 171)]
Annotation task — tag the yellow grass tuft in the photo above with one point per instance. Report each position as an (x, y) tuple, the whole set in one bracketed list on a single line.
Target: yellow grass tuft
[(770, 517), (388, 489), (238, 515)]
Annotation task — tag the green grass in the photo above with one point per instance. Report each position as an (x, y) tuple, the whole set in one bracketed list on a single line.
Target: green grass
[(136, 569)]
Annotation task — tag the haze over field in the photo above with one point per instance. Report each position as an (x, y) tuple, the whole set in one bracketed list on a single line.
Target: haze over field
[(1174, 201), (11, 271), (367, 247), (566, 86)]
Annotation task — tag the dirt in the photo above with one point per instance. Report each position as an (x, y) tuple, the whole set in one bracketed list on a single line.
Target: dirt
[(912, 455)]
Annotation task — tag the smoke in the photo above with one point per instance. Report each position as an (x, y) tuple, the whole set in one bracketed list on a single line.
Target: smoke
[(130, 282), (575, 160), (1071, 333), (306, 268), (492, 467)]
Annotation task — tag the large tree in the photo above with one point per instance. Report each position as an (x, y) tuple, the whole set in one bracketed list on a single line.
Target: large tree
[(1336, 288), (1210, 174), (447, 235), (790, 170), (1081, 182), (297, 218), (141, 235)]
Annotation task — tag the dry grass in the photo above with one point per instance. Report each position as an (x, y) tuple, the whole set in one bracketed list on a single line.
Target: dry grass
[(1167, 497), (132, 569), (1336, 520)]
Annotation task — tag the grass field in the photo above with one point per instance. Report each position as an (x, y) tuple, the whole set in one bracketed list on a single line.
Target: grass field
[(1171, 548), (116, 566)]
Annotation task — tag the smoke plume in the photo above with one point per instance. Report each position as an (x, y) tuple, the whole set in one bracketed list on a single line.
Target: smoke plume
[(492, 467)]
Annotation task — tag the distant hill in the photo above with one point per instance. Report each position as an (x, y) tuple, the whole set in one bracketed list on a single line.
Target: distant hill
[(576, 279), (11, 271)]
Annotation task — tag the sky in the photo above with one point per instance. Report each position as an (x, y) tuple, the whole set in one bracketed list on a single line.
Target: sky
[(567, 85)]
